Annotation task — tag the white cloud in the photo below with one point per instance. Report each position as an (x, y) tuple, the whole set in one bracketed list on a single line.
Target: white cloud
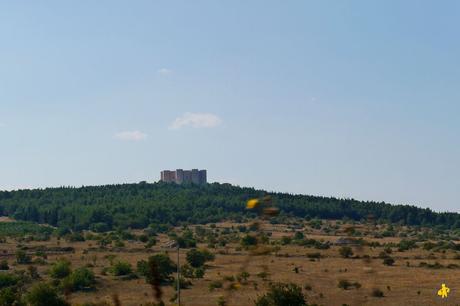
[(196, 120), (165, 71), (130, 136)]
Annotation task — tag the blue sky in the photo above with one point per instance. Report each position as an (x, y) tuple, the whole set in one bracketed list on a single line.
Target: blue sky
[(338, 98)]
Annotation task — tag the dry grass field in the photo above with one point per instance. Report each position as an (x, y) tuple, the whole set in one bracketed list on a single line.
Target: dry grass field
[(413, 279)]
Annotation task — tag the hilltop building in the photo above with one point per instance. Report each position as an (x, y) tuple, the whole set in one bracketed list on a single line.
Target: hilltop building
[(180, 176)]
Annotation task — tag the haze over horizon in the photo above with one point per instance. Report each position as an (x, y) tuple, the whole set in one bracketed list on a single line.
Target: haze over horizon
[(352, 100)]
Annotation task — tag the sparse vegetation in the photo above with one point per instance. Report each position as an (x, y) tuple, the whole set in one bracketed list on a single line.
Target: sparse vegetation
[(282, 295), (241, 257)]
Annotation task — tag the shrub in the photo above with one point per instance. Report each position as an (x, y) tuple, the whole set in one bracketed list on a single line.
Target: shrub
[(151, 242), (248, 241), (299, 236), (9, 296), (75, 237), (215, 284), (388, 261), (405, 245), (314, 255), (143, 238), (33, 272), (377, 293), (229, 278), (4, 265), (285, 240), (243, 276), (199, 272), (100, 227), (345, 284), (346, 252), (263, 275), (81, 278), (60, 269), (8, 280), (22, 257), (282, 295), (183, 283), (121, 268), (44, 295)]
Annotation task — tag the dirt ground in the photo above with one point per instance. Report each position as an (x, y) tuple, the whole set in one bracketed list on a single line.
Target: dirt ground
[(404, 284)]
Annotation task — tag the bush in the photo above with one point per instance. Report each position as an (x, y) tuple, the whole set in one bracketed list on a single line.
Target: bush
[(243, 277), (199, 272), (183, 283), (75, 237), (388, 261), (187, 271), (151, 242), (8, 280), (263, 275), (9, 296), (285, 240), (80, 279), (345, 284), (299, 236), (377, 293), (99, 227), (4, 265), (282, 295), (121, 268), (248, 240), (314, 255), (22, 257), (405, 245), (44, 295), (60, 269), (346, 252), (215, 284)]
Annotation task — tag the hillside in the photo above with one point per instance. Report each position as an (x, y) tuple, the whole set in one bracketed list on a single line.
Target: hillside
[(108, 207)]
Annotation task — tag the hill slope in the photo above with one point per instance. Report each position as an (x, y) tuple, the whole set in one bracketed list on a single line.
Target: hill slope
[(138, 205)]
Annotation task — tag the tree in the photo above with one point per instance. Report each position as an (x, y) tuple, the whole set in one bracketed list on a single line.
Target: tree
[(196, 258), (123, 206), (282, 295), (346, 252), (42, 294), (158, 266)]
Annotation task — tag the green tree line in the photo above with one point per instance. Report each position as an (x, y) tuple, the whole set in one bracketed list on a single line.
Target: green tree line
[(138, 205)]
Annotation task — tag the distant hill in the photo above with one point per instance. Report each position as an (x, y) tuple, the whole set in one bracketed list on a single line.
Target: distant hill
[(138, 205)]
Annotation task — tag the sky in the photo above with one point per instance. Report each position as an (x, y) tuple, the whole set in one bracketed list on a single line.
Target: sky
[(351, 99)]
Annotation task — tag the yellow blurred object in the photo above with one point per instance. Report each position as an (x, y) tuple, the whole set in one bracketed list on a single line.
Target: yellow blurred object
[(253, 203)]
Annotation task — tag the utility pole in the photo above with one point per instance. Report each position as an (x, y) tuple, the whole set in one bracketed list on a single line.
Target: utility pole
[(178, 276)]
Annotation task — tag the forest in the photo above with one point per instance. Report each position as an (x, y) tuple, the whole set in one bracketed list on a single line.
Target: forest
[(109, 207)]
